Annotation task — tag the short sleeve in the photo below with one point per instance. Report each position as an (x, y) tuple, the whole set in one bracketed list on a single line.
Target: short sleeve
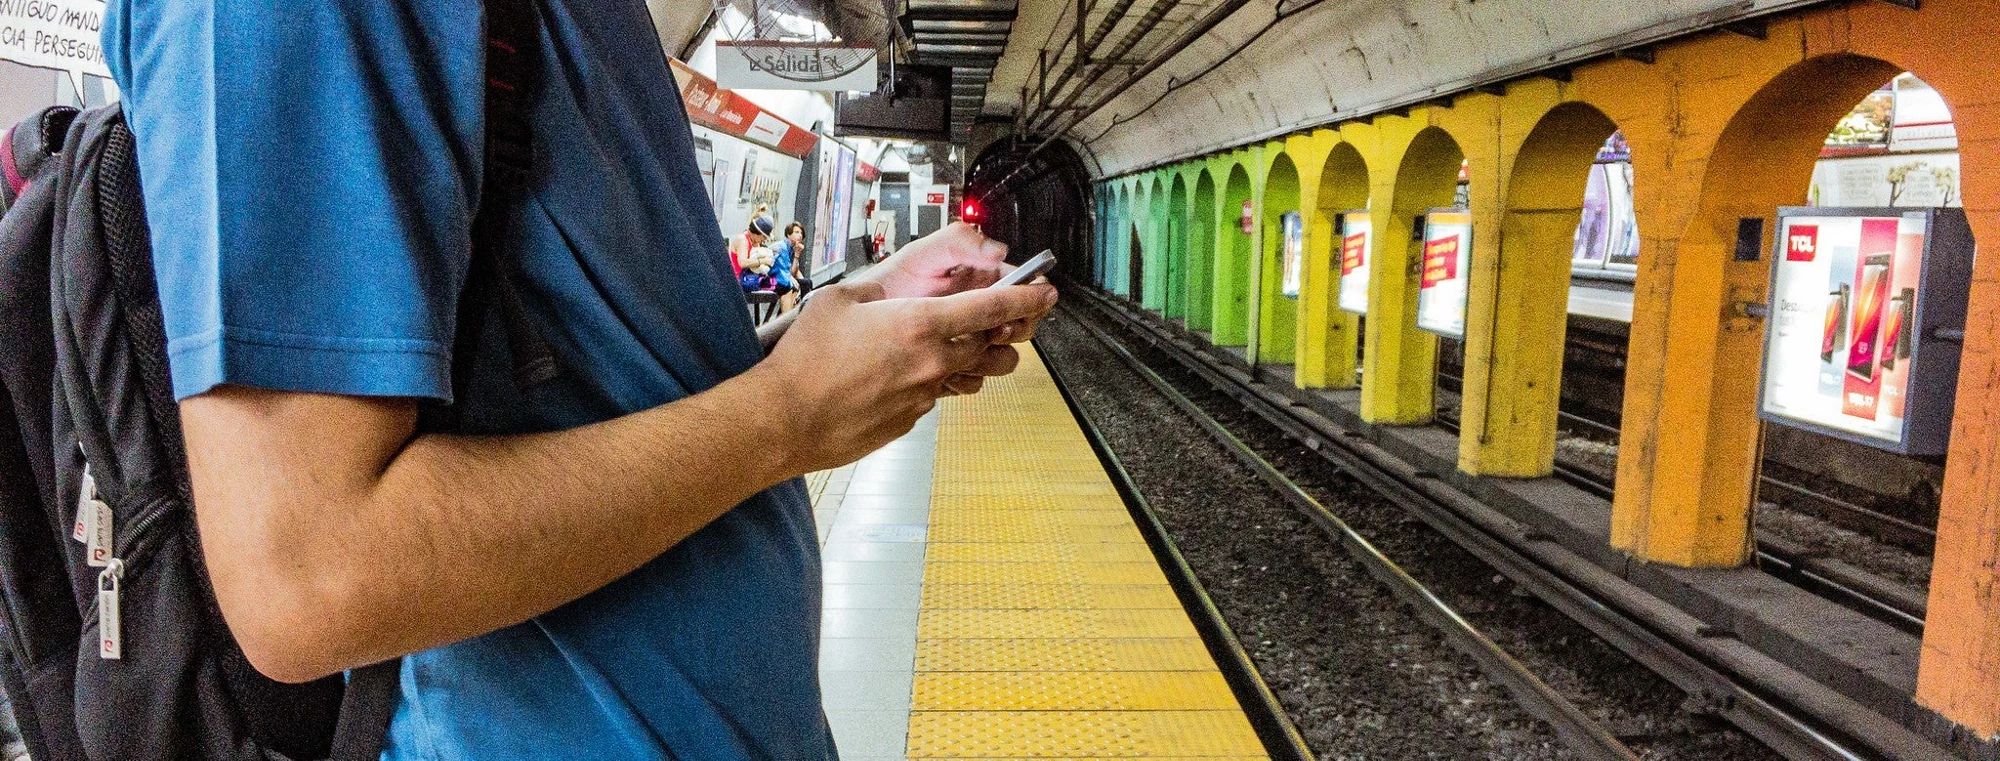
[(310, 172)]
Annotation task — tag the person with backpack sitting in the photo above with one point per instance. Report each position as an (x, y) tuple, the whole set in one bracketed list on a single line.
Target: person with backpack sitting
[(451, 350)]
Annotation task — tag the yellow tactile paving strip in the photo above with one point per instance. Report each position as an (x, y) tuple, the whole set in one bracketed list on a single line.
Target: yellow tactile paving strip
[(1046, 629)]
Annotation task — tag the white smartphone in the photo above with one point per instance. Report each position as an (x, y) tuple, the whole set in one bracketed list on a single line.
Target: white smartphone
[(1033, 268)]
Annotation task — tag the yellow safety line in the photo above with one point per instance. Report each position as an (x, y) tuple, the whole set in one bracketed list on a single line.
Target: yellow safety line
[(1047, 630)]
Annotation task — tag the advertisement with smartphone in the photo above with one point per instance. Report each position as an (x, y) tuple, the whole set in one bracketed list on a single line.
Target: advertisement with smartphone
[(1441, 281), (1353, 260), (1839, 346), (1294, 234)]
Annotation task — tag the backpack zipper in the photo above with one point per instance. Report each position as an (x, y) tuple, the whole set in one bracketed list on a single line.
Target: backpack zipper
[(85, 494), (110, 632)]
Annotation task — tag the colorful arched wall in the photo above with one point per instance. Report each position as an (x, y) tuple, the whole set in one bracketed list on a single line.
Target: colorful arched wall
[(1721, 127)]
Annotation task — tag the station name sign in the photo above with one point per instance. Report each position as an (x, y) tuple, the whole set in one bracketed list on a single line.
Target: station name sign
[(772, 65)]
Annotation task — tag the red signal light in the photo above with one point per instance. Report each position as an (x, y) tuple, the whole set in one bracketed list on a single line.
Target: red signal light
[(971, 212)]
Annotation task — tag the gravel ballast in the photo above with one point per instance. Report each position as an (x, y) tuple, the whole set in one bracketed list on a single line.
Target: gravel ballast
[(1359, 674)]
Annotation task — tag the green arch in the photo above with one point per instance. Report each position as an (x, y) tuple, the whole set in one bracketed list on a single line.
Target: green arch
[(1177, 247), (1201, 255), (1278, 315), (1154, 288), (1232, 263)]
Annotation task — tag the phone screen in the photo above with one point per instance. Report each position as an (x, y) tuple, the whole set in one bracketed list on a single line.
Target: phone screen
[(1029, 270), (1892, 332), (1836, 319), (1868, 309)]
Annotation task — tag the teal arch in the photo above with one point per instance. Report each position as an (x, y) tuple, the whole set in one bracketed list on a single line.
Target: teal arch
[(1155, 285), (1118, 260)]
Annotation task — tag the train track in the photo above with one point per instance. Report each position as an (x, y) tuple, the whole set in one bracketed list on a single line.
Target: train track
[(1747, 689), (1280, 737), (1582, 734), (1852, 588), (1874, 523)]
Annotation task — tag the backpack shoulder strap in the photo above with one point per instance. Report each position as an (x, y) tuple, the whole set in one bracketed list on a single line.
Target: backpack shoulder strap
[(513, 75), (513, 45)]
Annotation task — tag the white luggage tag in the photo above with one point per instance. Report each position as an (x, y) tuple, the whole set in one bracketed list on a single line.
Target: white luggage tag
[(98, 550), (110, 633), (85, 494)]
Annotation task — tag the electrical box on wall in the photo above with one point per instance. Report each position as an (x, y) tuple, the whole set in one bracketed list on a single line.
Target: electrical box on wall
[(1867, 316)]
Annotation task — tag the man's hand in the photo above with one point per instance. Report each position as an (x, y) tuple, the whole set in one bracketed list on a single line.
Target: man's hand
[(858, 370), (337, 537), (954, 259)]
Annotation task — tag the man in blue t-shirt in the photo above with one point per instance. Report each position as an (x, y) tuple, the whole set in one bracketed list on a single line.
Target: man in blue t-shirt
[(621, 564)]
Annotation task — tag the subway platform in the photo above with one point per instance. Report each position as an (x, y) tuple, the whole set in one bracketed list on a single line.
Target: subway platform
[(988, 596)]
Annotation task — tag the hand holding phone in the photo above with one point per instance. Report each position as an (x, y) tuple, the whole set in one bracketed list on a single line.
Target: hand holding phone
[(1028, 271)]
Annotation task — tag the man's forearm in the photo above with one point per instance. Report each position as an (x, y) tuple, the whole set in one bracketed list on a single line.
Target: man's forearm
[(452, 536)]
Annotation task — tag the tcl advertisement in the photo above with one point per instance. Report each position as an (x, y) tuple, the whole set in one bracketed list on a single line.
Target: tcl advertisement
[(1443, 272), (1294, 251), (1854, 295), (1352, 259)]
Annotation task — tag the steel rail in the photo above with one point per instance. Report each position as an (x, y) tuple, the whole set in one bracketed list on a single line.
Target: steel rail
[(1854, 588), (1267, 716), (1886, 527), (1576, 729), (1795, 716), (1847, 588)]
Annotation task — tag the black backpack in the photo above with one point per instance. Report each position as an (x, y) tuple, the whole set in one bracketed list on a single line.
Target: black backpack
[(114, 647)]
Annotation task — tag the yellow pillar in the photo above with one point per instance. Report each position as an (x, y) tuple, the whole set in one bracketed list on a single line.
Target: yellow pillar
[(1519, 302), (1343, 185), (1400, 366), (1315, 277)]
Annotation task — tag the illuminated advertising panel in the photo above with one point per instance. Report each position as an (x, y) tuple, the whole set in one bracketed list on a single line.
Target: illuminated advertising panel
[(1443, 272), (1854, 295), (1353, 260), (1294, 231)]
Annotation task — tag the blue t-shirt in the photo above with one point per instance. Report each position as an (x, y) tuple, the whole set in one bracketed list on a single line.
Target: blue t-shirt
[(311, 170), (781, 262)]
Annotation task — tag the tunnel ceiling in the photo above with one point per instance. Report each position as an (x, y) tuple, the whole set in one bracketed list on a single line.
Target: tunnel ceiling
[(1320, 61)]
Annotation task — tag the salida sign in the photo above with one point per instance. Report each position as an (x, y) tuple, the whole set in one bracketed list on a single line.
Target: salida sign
[(771, 65)]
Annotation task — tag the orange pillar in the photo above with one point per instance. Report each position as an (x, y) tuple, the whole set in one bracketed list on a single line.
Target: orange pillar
[(1959, 676)]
